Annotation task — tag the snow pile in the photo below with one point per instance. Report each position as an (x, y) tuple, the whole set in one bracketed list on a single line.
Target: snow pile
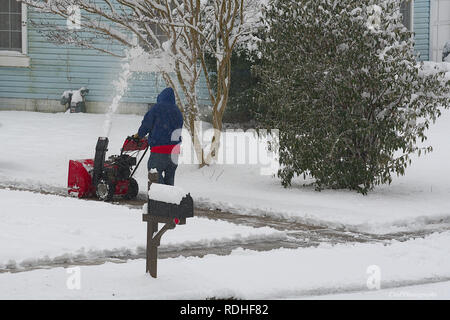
[(165, 193)]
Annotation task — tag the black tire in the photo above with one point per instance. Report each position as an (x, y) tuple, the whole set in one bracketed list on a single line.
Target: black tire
[(133, 190), (105, 190)]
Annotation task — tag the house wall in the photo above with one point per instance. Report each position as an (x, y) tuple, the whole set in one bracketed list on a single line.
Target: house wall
[(56, 68)]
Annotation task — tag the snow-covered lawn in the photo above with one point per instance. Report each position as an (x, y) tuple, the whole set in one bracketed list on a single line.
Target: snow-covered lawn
[(277, 274), (429, 291), (36, 149), (36, 229)]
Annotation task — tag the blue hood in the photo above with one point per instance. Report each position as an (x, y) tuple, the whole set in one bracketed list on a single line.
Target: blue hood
[(167, 96), (162, 120)]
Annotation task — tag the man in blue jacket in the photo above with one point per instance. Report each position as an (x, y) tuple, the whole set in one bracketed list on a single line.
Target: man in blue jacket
[(163, 124)]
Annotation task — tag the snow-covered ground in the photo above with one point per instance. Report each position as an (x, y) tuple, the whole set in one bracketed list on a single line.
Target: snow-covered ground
[(429, 291), (247, 274), (36, 229), (36, 149)]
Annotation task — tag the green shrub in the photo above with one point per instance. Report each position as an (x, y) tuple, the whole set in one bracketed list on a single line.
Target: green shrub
[(242, 105), (341, 82)]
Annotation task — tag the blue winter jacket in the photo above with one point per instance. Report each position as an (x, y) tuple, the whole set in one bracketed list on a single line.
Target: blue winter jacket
[(162, 120)]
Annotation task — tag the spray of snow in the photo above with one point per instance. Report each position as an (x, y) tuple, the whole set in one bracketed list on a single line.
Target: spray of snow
[(136, 60), (120, 87)]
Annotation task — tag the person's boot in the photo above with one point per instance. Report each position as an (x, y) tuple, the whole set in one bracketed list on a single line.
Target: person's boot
[(153, 177)]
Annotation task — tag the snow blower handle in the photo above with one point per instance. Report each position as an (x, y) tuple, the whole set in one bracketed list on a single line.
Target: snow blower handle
[(135, 137), (133, 143)]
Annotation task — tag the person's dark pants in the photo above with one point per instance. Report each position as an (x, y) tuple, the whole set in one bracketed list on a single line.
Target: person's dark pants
[(166, 165)]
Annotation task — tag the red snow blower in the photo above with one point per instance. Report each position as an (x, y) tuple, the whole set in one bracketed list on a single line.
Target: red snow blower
[(106, 178)]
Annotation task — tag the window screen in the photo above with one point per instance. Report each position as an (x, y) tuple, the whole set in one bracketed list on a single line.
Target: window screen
[(160, 35), (10, 25)]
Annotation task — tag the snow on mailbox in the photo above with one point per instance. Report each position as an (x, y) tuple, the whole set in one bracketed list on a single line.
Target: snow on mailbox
[(169, 205), (169, 201)]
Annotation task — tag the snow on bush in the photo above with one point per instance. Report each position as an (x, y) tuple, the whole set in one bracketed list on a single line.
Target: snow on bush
[(342, 83)]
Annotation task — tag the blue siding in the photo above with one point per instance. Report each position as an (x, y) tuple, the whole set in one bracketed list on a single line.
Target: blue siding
[(56, 68), (422, 28)]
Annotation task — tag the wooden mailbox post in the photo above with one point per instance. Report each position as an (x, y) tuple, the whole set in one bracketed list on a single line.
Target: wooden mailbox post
[(171, 215)]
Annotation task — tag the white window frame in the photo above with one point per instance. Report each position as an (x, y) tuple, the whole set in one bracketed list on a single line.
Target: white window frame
[(15, 58), (437, 26)]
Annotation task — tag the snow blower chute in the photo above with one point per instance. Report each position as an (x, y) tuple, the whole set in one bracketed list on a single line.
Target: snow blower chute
[(106, 178)]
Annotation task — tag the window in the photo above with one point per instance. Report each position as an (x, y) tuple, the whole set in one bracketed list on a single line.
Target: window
[(13, 34), (10, 25), (159, 33), (406, 11)]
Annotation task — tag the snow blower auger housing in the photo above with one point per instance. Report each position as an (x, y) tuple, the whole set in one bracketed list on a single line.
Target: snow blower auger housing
[(107, 178)]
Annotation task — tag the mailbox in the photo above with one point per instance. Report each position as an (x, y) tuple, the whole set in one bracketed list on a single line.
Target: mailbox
[(170, 210), (169, 205), (169, 202)]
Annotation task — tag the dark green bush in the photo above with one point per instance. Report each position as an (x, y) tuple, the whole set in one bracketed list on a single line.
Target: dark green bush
[(341, 82)]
